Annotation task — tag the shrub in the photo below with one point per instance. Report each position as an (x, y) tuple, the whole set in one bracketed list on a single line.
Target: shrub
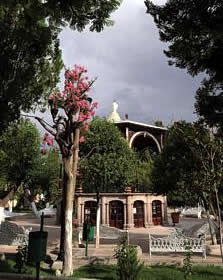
[(129, 266)]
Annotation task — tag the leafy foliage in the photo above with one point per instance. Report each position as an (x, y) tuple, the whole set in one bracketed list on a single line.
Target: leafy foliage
[(128, 265), (209, 103), (187, 263), (19, 149), (172, 170), (30, 55), (193, 31), (190, 164), (107, 162), (22, 255), (44, 177), (144, 166)]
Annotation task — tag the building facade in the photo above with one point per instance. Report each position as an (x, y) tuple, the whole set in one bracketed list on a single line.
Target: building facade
[(129, 209), (122, 210)]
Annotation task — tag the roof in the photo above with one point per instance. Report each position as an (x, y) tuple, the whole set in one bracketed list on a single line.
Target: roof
[(141, 124)]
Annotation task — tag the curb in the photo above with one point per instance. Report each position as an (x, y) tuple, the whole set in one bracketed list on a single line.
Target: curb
[(14, 276)]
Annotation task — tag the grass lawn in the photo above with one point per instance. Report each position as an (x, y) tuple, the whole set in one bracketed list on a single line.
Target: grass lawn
[(209, 272), (108, 272), (8, 266)]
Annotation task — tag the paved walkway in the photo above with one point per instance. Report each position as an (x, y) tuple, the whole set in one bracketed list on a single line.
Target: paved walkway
[(138, 236)]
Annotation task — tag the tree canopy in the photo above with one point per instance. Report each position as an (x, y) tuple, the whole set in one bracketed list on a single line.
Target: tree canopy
[(194, 33), (171, 174), (107, 162), (30, 58), (19, 149), (190, 164), (30, 55), (44, 176)]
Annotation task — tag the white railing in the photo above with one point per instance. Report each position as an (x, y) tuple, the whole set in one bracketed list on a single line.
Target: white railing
[(178, 243)]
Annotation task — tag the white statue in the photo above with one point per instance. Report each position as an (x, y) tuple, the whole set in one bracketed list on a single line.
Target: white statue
[(114, 116)]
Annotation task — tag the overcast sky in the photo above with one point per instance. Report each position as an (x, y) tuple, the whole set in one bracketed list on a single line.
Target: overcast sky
[(131, 68)]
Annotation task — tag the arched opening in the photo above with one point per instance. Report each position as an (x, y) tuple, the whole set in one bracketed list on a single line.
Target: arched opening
[(144, 141), (116, 214), (138, 210), (157, 212), (90, 209)]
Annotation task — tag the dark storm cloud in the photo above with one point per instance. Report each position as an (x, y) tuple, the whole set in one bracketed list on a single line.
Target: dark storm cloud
[(131, 68)]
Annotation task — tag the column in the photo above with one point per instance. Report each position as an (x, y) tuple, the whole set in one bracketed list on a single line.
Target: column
[(103, 211), (2, 216), (107, 214), (150, 217), (78, 211), (82, 214), (165, 214), (130, 223), (125, 216), (146, 215)]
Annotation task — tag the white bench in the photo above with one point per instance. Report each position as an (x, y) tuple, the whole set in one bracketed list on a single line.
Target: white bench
[(178, 243)]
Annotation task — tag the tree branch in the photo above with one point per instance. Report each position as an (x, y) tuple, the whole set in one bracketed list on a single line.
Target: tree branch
[(44, 124)]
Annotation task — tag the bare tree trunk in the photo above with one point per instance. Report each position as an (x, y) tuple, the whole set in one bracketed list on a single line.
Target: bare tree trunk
[(220, 225), (70, 170), (212, 230), (34, 209), (62, 222), (213, 211)]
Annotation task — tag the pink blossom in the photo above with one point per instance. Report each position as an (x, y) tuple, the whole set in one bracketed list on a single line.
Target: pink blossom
[(86, 126), (74, 97), (95, 105), (82, 139)]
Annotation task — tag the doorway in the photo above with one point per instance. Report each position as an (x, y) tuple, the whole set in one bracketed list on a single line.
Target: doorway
[(116, 214), (138, 210), (157, 212), (90, 209)]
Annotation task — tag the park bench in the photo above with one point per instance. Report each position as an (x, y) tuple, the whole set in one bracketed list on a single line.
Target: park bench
[(176, 242)]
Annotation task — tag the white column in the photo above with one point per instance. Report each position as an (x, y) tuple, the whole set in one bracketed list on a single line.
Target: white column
[(98, 227), (150, 217), (125, 216), (103, 210), (164, 214), (146, 215), (2, 216), (79, 211), (107, 214), (82, 214)]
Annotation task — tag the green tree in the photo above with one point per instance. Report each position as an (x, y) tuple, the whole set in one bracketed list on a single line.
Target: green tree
[(143, 169), (30, 58), (191, 167), (30, 55), (193, 31), (107, 162), (44, 177), (20, 146), (173, 167)]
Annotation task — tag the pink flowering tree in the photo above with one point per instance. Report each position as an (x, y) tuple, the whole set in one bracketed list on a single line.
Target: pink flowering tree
[(71, 111)]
